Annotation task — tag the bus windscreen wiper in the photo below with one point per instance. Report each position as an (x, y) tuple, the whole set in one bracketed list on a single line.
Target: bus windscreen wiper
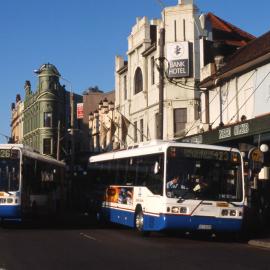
[(192, 191)]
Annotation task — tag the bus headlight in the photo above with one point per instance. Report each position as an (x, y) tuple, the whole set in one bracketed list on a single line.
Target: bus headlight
[(183, 210), (232, 213), (175, 209), (9, 200), (224, 212)]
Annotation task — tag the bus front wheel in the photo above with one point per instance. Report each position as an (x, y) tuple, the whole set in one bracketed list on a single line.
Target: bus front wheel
[(139, 222)]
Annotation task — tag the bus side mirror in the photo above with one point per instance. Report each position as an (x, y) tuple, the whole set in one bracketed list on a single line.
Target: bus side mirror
[(156, 168)]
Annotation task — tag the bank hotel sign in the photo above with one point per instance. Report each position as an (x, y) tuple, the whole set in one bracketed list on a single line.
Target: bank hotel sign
[(178, 59)]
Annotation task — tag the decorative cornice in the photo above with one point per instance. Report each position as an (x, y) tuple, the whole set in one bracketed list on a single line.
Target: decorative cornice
[(149, 50), (122, 69)]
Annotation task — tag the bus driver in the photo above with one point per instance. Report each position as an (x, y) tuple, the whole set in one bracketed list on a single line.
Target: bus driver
[(173, 183)]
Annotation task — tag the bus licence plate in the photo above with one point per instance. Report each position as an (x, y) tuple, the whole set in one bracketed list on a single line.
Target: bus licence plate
[(205, 227)]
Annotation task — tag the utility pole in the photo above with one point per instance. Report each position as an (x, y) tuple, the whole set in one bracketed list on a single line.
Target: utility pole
[(72, 130), (58, 141), (161, 82)]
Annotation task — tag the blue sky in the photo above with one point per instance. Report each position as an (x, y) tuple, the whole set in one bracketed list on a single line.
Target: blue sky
[(82, 37)]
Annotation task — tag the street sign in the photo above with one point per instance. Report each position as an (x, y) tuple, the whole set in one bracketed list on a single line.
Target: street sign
[(257, 155)]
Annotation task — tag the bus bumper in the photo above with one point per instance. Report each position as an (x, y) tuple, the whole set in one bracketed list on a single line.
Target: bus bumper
[(10, 212), (193, 223)]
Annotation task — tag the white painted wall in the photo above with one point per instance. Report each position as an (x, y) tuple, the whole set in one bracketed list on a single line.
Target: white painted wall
[(179, 23), (248, 94)]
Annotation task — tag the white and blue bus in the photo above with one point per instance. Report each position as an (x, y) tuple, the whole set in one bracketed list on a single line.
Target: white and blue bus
[(31, 184), (137, 187)]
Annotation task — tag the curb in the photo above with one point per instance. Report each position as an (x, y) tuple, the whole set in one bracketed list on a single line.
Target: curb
[(259, 243)]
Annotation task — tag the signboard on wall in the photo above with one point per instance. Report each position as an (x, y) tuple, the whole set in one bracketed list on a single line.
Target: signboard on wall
[(79, 110), (178, 58)]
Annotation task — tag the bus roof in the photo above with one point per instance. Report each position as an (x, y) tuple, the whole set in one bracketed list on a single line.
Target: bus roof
[(153, 147), (27, 151)]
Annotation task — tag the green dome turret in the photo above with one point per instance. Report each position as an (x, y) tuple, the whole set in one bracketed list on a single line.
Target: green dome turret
[(48, 70), (48, 77)]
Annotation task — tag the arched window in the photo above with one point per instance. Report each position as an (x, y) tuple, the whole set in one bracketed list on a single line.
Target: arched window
[(138, 80)]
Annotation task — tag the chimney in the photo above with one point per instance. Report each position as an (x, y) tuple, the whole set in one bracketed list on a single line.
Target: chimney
[(18, 98), (219, 61), (111, 106), (27, 87)]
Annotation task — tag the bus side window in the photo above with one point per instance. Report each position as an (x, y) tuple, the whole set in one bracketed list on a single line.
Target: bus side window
[(146, 176), (106, 173), (142, 172), (131, 169), (120, 177)]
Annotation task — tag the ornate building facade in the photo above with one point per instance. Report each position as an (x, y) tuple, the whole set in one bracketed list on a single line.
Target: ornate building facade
[(157, 89), (17, 120), (92, 101), (50, 115)]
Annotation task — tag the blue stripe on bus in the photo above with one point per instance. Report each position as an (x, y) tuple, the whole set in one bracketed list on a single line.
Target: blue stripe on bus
[(119, 216), (191, 223), (10, 211), (164, 221)]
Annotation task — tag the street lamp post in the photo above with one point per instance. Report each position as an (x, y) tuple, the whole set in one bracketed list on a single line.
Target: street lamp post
[(58, 141), (161, 83), (72, 131)]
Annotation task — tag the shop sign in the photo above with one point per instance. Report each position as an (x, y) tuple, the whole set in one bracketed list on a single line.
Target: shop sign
[(224, 133), (178, 58), (241, 129), (79, 110), (235, 131), (194, 139), (256, 155)]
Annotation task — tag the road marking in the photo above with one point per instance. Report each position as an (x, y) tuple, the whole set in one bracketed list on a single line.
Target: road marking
[(88, 236)]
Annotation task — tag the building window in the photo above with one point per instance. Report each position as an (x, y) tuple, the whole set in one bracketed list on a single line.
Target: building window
[(125, 86), (141, 130), (135, 132), (180, 120), (138, 81), (47, 119), (152, 70), (47, 146)]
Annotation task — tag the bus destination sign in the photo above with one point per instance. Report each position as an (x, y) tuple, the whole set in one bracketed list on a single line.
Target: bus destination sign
[(8, 153)]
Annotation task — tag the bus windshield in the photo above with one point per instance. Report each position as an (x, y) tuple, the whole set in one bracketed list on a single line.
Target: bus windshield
[(9, 173), (203, 174)]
